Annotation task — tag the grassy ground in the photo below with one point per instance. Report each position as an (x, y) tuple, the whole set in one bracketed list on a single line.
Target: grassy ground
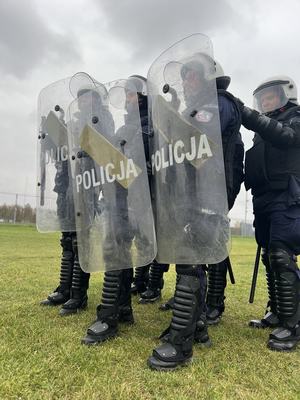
[(41, 356)]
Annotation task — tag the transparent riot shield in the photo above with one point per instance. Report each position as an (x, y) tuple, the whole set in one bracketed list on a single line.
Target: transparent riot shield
[(190, 200), (55, 206), (114, 219)]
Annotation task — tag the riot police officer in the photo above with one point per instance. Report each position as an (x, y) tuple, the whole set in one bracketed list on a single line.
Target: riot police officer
[(233, 151), (115, 306), (191, 112), (273, 174), (71, 292)]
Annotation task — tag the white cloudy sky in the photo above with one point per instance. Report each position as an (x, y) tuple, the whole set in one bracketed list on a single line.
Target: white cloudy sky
[(42, 41)]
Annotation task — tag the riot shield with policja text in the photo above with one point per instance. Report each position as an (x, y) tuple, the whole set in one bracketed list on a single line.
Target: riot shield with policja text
[(113, 209), (190, 199), (55, 206)]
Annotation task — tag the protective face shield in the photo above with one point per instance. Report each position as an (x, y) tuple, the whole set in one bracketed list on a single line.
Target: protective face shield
[(197, 75), (274, 93)]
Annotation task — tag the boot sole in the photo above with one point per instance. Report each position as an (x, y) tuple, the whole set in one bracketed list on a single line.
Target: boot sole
[(261, 325), (98, 341), (149, 301), (166, 366), (271, 346), (66, 312), (50, 304)]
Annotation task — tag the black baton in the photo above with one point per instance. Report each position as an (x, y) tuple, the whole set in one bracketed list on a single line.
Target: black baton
[(230, 271), (255, 272)]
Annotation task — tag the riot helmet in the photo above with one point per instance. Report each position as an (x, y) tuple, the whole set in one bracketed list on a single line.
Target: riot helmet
[(222, 80), (274, 93), (198, 75)]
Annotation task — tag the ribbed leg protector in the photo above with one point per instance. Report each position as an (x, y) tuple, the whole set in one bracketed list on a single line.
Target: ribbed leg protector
[(106, 325), (271, 287), (215, 291), (287, 292), (80, 280), (141, 277), (80, 283), (125, 308), (185, 311), (155, 283), (62, 293), (216, 285), (287, 287), (111, 291), (179, 347), (67, 260)]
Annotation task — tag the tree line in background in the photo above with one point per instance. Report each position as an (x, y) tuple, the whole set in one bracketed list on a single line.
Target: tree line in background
[(17, 214)]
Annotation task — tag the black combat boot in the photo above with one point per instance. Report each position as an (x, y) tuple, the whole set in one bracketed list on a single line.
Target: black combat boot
[(140, 280), (178, 349), (270, 320), (155, 283), (108, 312), (287, 289), (215, 293), (62, 293), (80, 284), (201, 333), (168, 305)]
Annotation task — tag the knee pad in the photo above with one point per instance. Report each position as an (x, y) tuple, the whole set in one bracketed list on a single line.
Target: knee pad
[(188, 269), (265, 257), (280, 257)]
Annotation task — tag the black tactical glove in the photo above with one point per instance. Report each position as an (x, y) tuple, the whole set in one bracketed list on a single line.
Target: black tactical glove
[(269, 129)]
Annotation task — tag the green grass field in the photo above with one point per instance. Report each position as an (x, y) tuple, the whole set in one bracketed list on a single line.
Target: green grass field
[(41, 356)]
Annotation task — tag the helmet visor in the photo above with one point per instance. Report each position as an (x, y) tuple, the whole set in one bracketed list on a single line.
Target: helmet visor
[(269, 97)]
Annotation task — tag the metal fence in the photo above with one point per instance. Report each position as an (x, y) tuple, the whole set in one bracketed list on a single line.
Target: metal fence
[(21, 208)]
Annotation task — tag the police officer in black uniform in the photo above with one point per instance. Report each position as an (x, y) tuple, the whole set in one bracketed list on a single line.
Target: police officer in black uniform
[(189, 310), (233, 151), (115, 306), (272, 172), (71, 292)]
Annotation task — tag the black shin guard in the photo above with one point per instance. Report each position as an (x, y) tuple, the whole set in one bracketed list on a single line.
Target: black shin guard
[(177, 351), (125, 308), (140, 280), (215, 293), (287, 291), (115, 284), (62, 293), (155, 283), (80, 283), (270, 320)]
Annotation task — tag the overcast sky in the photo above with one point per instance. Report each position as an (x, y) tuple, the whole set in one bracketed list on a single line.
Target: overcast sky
[(42, 41)]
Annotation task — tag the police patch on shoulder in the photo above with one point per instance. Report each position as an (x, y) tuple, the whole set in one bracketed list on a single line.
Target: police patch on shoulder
[(204, 116)]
